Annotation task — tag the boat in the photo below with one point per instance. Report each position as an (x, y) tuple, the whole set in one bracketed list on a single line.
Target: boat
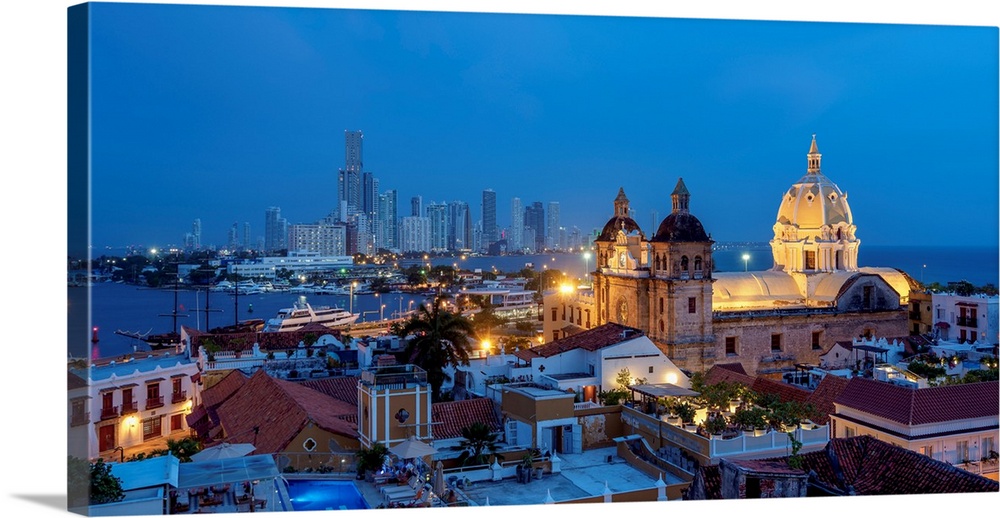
[(224, 287), (301, 313), (168, 340)]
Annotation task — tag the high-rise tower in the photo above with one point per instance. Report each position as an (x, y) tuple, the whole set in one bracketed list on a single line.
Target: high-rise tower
[(489, 218), (349, 178), (515, 242)]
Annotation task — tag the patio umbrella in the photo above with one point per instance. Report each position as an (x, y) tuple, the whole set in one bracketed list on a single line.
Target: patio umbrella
[(439, 478), (223, 451), (412, 448)]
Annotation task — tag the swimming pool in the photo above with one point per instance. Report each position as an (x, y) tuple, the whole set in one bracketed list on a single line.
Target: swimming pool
[(324, 495)]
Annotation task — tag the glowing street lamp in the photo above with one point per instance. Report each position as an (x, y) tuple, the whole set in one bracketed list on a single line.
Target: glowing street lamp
[(746, 258), (586, 258), (381, 312), (353, 284)]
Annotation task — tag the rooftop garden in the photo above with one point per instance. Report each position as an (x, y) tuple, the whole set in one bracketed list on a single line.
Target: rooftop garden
[(726, 410)]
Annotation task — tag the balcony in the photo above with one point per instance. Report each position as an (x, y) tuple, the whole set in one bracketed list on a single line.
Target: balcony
[(394, 377), (154, 402), (109, 412), (967, 322), (178, 397), (130, 408), (79, 418)]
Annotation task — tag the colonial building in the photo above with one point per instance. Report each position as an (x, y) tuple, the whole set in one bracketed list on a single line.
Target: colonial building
[(814, 295)]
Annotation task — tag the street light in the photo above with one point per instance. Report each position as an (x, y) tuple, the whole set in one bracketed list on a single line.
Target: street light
[(746, 257), (586, 274), (381, 312), (353, 284)]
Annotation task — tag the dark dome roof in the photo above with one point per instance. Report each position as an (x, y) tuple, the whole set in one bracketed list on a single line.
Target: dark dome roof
[(680, 227), (615, 224)]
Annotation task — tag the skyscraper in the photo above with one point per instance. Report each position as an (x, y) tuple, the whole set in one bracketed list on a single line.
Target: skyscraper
[(459, 226), (234, 237), (489, 209), (552, 227), (414, 234), (534, 218), (349, 178), (275, 230), (322, 238), (417, 206), (437, 213), (388, 227), (516, 240), (196, 234), (369, 206), (246, 236)]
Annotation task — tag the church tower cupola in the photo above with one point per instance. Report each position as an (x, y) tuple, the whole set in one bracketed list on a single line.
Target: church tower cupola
[(680, 198), (814, 157), (621, 204)]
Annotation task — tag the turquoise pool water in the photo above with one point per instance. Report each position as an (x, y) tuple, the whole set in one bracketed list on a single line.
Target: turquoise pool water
[(324, 495)]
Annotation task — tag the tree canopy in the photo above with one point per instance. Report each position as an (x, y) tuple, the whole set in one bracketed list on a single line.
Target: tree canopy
[(440, 339)]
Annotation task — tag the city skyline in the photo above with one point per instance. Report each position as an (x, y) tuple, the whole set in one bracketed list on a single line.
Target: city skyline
[(571, 110)]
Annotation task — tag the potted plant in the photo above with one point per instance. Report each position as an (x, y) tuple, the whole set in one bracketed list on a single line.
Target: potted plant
[(715, 425), (685, 411), (370, 459)]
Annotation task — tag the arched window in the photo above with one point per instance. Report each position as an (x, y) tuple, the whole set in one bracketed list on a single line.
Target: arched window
[(661, 325), (657, 261), (697, 263), (684, 263)]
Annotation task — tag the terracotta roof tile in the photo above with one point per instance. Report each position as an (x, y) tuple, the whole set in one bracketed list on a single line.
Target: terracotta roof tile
[(450, 417), (784, 391), (281, 409), (590, 340), (869, 466), (343, 388), (822, 398), (735, 367), (215, 395), (921, 406), (267, 341), (864, 465), (728, 374)]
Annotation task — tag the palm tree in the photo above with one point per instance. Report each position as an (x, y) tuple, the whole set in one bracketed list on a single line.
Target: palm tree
[(477, 440), (441, 340)]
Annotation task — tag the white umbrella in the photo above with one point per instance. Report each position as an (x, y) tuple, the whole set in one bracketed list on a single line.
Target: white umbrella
[(412, 448), (439, 478), (223, 451)]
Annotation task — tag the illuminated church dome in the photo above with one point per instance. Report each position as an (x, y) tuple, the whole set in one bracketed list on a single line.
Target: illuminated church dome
[(814, 200), (814, 229), (680, 225)]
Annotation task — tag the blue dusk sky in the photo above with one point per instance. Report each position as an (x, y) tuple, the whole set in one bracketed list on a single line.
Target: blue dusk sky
[(218, 112)]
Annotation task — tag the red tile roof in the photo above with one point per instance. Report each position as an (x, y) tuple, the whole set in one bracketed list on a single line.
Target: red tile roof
[(864, 465), (861, 465), (215, 395), (281, 409), (784, 391), (921, 406), (342, 388), (822, 398), (727, 374), (735, 367), (450, 417), (267, 341), (590, 340)]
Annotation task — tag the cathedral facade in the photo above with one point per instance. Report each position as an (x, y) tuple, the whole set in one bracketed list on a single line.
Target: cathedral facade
[(814, 295)]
